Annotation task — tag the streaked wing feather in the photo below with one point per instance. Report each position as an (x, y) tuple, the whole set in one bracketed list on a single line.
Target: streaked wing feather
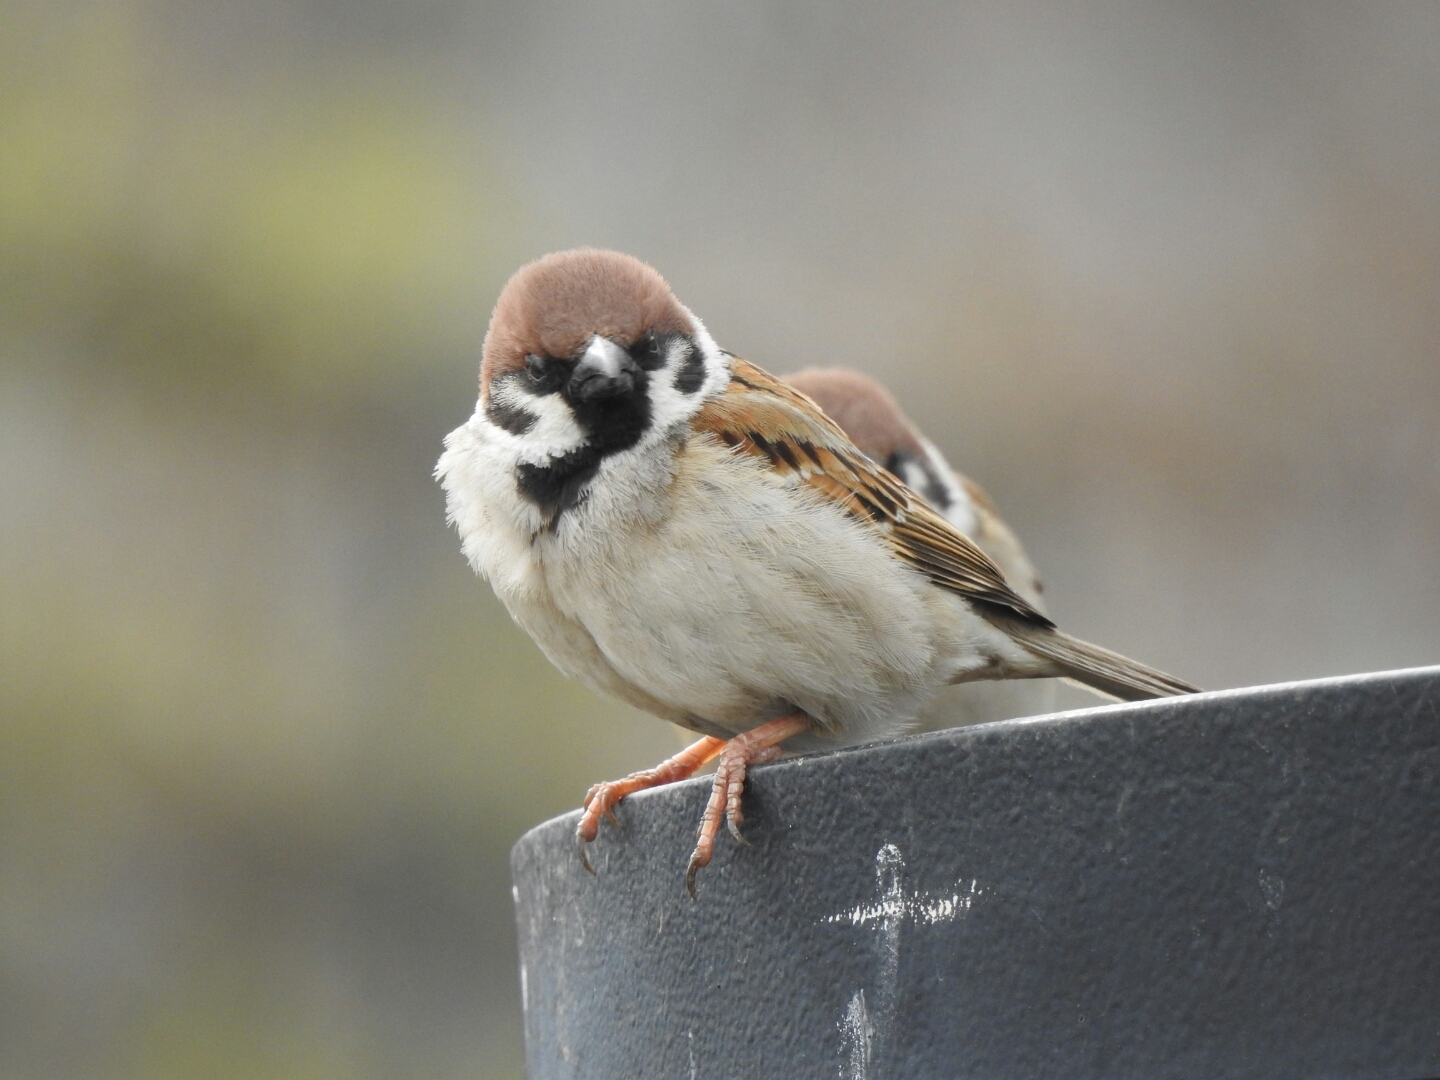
[(761, 416)]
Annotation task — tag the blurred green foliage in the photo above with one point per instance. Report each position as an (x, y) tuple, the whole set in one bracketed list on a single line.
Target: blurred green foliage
[(308, 232)]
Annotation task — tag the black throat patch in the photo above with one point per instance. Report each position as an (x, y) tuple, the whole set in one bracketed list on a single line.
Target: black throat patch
[(610, 425)]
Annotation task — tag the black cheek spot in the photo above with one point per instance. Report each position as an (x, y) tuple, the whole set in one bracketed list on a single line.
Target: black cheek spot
[(934, 488), (691, 375), (921, 475), (515, 419)]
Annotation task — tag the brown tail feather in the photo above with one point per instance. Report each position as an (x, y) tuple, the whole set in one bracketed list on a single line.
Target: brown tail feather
[(1100, 669)]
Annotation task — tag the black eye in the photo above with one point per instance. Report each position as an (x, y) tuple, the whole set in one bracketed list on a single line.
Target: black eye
[(539, 373), (649, 351)]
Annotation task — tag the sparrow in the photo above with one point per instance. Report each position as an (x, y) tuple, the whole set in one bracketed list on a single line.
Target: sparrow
[(681, 530), (872, 419)]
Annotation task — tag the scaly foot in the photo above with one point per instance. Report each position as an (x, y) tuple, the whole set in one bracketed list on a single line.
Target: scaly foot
[(601, 799), (755, 747)]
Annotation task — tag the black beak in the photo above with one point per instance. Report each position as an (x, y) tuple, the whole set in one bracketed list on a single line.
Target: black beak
[(604, 370)]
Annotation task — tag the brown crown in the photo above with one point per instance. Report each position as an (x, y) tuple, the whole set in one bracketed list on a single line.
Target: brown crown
[(554, 305), (866, 411)]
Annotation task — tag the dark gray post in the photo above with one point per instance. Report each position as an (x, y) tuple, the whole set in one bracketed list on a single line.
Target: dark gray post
[(1240, 884)]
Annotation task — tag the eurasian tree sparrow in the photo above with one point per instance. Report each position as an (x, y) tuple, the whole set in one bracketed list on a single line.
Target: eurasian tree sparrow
[(873, 420), (683, 531)]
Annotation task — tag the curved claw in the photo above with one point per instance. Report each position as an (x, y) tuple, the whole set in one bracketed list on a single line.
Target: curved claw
[(690, 872), (754, 747), (581, 844), (601, 799)]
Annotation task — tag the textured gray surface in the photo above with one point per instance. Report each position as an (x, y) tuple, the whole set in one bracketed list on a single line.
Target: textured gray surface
[(1240, 884)]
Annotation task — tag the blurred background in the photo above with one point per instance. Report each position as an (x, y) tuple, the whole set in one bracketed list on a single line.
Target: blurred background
[(1164, 277)]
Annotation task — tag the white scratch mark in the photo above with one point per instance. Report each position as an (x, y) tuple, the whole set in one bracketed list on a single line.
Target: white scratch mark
[(524, 990), (855, 1036), (690, 1035), (890, 884), (1272, 887), (896, 903)]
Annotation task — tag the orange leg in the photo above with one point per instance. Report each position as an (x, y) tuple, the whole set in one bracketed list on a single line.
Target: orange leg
[(753, 748), (600, 800)]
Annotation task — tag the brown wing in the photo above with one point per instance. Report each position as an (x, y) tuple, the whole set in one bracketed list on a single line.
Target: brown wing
[(761, 416)]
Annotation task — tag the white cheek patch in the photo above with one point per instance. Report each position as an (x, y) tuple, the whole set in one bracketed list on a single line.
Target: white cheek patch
[(960, 510), (717, 365), (670, 405), (554, 431), (477, 471)]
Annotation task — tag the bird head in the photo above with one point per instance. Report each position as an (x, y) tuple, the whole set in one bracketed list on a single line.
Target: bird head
[(587, 355)]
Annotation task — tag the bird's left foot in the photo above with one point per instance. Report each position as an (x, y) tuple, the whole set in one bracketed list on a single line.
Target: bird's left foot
[(755, 747), (601, 799)]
